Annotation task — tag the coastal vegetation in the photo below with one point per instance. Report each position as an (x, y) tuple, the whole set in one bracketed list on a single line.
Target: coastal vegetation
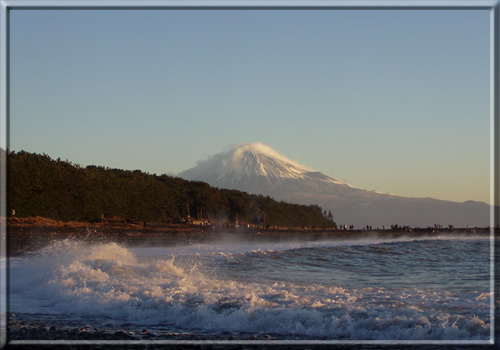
[(40, 186)]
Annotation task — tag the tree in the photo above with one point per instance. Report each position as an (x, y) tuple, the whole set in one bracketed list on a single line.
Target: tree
[(40, 186)]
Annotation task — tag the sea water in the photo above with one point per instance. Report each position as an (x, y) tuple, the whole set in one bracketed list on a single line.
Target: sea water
[(407, 289)]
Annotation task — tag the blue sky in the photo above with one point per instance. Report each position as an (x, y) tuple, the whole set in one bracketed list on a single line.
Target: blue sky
[(395, 101)]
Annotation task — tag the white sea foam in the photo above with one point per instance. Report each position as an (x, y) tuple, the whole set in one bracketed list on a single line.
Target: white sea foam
[(148, 288)]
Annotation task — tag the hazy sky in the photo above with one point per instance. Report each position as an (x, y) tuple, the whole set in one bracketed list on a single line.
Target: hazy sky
[(395, 101)]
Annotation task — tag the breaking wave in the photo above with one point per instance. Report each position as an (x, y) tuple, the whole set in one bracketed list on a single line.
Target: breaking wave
[(155, 288)]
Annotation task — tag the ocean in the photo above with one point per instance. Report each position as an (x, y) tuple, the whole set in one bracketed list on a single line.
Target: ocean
[(405, 289)]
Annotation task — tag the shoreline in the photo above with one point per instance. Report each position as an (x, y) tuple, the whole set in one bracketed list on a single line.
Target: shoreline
[(33, 233), (63, 326)]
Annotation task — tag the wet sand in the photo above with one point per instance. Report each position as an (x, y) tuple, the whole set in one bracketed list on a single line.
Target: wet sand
[(34, 334)]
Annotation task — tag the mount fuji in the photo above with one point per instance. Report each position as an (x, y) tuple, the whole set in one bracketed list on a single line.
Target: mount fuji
[(258, 169)]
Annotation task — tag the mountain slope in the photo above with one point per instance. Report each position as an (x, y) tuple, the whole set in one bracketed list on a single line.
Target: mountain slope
[(258, 169)]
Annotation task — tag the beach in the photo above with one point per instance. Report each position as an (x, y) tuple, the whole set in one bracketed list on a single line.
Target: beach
[(130, 282), (32, 233)]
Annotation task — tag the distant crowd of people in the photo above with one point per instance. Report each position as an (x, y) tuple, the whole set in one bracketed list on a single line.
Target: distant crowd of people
[(405, 228)]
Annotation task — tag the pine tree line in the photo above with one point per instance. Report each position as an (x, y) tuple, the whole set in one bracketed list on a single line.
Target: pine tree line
[(40, 186)]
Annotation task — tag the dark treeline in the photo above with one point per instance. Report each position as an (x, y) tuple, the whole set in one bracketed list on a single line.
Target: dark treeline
[(40, 186)]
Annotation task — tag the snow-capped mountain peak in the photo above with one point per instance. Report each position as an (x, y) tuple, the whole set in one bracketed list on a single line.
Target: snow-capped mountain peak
[(261, 153), (259, 159), (259, 169), (248, 160)]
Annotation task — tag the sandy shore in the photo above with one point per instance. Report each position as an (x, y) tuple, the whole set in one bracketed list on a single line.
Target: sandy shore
[(31, 234)]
